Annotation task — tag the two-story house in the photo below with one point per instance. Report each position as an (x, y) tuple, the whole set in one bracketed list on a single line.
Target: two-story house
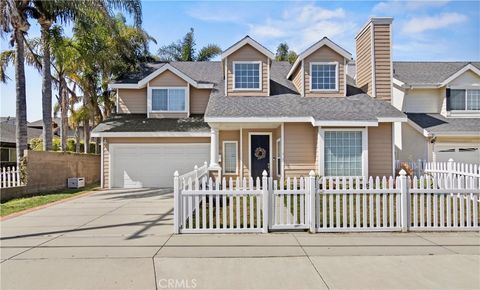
[(248, 113), (442, 101)]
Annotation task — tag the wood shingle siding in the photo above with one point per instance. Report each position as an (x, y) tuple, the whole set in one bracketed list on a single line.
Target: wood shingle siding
[(300, 149), (247, 53), (380, 148), (198, 100), (325, 54), (383, 61), (298, 80), (364, 61), (132, 101), (167, 79)]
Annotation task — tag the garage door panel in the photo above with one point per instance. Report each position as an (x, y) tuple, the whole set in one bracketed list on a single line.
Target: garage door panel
[(466, 153), (153, 165)]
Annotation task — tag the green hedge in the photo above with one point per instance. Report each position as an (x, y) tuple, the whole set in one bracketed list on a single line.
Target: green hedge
[(36, 144)]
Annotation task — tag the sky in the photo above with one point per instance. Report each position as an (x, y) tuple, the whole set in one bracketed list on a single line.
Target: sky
[(422, 30)]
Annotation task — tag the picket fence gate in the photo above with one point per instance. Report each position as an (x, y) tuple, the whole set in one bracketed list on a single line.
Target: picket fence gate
[(10, 177), (341, 204)]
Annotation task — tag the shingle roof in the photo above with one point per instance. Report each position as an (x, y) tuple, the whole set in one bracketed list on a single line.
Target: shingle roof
[(8, 134), (285, 101), (140, 123), (427, 73), (200, 71), (438, 124)]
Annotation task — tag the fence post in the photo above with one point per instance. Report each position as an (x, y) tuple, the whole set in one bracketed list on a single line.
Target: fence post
[(405, 201), (266, 205), (450, 168), (312, 193), (195, 170), (177, 203)]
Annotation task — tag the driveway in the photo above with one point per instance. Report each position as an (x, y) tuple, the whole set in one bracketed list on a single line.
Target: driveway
[(123, 239)]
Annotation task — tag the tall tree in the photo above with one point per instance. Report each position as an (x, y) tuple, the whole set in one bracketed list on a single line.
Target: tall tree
[(14, 20), (184, 50)]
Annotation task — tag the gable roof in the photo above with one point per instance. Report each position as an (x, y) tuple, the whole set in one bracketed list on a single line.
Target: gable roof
[(247, 40), (436, 124), (421, 73), (325, 41), (9, 133)]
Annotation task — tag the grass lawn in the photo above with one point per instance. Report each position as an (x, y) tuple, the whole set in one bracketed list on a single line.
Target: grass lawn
[(19, 204)]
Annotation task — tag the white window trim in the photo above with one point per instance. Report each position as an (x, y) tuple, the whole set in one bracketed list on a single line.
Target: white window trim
[(466, 89), (236, 157), (336, 77), (321, 132), (149, 99), (250, 134), (278, 157), (260, 73)]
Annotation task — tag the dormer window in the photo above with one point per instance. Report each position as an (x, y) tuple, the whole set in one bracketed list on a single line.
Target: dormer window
[(324, 76), (463, 100), (247, 75)]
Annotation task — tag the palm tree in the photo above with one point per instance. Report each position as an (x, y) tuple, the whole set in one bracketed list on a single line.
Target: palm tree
[(184, 50), (14, 20)]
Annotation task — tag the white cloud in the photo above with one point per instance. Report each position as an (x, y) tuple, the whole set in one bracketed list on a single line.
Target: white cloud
[(399, 6), (425, 23), (302, 25)]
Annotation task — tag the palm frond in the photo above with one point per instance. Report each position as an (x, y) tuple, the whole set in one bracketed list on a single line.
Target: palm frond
[(208, 52)]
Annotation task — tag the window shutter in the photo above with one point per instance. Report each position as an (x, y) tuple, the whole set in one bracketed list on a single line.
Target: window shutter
[(447, 96)]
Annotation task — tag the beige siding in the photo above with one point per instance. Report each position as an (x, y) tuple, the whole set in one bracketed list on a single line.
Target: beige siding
[(468, 78), (167, 79), (229, 136), (461, 140), (380, 148), (199, 100), (325, 54), (413, 146), (300, 149), (132, 101), (168, 115), (247, 53), (423, 101), (364, 61), (383, 61), (298, 79)]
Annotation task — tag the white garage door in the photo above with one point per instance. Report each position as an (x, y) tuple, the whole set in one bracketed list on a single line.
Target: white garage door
[(468, 153), (153, 165)]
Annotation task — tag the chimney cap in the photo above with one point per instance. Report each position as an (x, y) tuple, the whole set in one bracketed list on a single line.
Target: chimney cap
[(374, 20)]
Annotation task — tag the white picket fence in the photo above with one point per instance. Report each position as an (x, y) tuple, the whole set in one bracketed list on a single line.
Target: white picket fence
[(326, 205), (10, 177), (452, 168)]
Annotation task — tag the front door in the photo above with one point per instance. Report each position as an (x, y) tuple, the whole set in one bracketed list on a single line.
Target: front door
[(259, 155)]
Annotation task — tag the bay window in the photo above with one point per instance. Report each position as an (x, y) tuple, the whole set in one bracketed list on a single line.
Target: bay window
[(463, 99), (168, 99)]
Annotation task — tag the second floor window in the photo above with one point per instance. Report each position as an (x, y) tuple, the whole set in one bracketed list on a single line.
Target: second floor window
[(324, 76), (247, 75), (168, 99), (463, 100)]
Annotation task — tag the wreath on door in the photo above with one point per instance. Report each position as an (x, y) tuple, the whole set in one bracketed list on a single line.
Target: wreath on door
[(260, 153)]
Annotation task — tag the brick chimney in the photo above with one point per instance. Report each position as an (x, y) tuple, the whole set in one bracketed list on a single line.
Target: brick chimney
[(374, 58)]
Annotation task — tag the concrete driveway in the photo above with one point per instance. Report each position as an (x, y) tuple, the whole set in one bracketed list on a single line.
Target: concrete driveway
[(123, 239)]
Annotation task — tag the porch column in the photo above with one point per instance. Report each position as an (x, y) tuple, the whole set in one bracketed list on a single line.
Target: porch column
[(214, 148)]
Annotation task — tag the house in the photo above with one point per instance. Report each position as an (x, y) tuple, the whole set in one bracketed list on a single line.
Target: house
[(442, 102), (248, 113), (56, 123), (8, 145)]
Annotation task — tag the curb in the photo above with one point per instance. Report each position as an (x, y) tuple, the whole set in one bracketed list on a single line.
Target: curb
[(25, 211)]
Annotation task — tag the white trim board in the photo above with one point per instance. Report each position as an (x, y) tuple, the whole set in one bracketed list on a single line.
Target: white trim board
[(236, 157), (247, 40), (151, 134), (260, 75), (336, 89), (187, 99), (270, 134), (339, 123)]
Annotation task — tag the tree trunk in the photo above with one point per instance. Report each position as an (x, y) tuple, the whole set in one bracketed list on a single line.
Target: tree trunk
[(21, 102), (86, 124), (62, 90), (46, 90), (77, 140)]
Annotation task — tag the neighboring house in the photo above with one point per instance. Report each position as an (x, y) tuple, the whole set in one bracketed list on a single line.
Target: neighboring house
[(442, 101), (56, 122), (248, 113), (8, 156)]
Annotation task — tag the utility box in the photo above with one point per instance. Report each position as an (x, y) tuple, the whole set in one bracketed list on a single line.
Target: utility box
[(76, 182)]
